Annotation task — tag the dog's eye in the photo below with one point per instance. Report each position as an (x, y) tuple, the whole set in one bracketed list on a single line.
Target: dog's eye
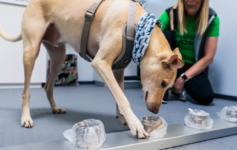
[(163, 84)]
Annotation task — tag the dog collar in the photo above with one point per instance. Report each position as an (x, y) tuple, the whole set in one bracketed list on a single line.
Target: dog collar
[(143, 33)]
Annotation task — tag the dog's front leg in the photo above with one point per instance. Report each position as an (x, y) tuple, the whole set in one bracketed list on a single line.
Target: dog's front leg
[(103, 68)]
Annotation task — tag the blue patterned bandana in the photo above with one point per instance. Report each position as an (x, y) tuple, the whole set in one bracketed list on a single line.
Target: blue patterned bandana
[(143, 33)]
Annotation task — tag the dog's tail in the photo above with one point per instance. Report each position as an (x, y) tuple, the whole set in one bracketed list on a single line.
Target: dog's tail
[(10, 38)]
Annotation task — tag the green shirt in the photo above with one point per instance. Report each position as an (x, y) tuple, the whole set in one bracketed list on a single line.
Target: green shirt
[(185, 42)]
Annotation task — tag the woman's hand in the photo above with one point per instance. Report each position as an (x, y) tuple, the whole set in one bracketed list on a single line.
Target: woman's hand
[(178, 85)]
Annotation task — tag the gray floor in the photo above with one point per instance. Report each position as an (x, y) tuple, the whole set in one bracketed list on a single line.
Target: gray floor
[(91, 101)]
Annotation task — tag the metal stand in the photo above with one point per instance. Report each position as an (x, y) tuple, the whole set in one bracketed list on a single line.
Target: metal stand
[(177, 135)]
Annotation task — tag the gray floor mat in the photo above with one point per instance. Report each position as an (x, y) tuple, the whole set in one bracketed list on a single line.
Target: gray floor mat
[(89, 101)]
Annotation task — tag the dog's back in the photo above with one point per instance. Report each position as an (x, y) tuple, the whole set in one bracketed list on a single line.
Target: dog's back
[(64, 20)]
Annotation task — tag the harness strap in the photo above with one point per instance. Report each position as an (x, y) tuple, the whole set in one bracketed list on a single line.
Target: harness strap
[(123, 60), (131, 19), (86, 29)]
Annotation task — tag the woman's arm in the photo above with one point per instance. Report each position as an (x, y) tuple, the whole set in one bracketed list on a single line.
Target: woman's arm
[(203, 63)]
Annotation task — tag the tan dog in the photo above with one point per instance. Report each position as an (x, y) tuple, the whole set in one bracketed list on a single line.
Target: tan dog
[(55, 22)]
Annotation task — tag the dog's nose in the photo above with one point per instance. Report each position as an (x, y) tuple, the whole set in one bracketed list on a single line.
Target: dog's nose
[(154, 108)]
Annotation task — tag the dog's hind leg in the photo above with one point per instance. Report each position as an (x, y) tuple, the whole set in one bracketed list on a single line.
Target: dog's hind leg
[(33, 30), (119, 76), (57, 57)]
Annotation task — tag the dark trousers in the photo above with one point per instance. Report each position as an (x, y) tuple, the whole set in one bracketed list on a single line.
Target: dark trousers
[(199, 87)]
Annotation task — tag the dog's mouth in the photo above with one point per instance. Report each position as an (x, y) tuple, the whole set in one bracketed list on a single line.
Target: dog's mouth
[(146, 96)]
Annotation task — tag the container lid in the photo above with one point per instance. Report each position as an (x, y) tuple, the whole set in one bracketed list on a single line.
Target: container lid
[(198, 112)]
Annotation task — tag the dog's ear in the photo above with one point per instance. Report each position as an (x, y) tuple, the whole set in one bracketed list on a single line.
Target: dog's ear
[(175, 62), (177, 52)]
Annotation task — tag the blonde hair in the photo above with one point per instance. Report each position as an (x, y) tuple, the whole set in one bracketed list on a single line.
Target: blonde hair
[(202, 20)]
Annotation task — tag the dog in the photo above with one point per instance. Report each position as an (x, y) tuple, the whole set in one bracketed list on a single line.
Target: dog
[(55, 23)]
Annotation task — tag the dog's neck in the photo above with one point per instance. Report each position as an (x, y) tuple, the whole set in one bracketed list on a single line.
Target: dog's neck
[(144, 31)]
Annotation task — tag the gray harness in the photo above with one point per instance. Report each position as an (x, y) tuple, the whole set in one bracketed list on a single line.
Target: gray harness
[(129, 32)]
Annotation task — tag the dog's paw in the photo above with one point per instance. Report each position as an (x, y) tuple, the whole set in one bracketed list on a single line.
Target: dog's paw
[(137, 129), (27, 122), (59, 111), (135, 125)]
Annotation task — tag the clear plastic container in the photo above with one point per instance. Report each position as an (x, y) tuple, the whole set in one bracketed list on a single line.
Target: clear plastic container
[(156, 126), (88, 134), (198, 119), (228, 113)]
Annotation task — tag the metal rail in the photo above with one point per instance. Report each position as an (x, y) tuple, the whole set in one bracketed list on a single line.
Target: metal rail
[(177, 135)]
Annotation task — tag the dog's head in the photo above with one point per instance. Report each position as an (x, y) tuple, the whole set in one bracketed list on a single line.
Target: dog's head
[(158, 69)]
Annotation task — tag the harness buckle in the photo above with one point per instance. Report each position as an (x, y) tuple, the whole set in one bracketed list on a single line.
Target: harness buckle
[(89, 15)]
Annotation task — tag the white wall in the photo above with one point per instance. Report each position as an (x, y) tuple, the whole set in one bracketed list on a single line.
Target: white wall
[(223, 71), (158, 6)]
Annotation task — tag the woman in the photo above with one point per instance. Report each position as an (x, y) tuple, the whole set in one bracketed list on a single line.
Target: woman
[(194, 28)]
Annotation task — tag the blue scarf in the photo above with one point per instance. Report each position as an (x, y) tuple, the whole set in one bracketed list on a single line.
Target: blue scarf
[(143, 33)]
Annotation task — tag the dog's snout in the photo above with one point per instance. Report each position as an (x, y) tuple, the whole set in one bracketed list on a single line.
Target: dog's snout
[(154, 108)]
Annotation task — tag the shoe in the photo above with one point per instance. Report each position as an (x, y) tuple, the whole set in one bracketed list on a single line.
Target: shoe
[(164, 101), (181, 96)]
